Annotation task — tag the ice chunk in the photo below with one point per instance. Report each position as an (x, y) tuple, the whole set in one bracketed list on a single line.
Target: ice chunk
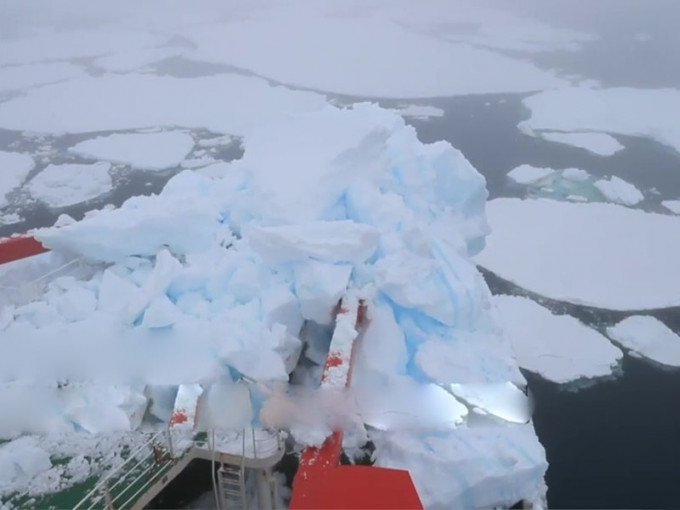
[(627, 111), (383, 345), (147, 151), (575, 174), (331, 241), (421, 111), (597, 143), (601, 255), (15, 168), (557, 347), (503, 400), (527, 174), (142, 226), (319, 287), (225, 405), (672, 205), (69, 184), (22, 459), (619, 191), (483, 467), (648, 337)]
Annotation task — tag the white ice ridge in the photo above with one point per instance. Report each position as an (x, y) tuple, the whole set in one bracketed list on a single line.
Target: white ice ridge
[(619, 191), (527, 174), (14, 167), (69, 184), (420, 111), (596, 254), (597, 143), (648, 338), (648, 113), (146, 151), (556, 347)]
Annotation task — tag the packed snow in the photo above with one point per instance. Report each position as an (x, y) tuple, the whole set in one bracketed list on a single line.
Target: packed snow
[(649, 338), (597, 143), (672, 205), (15, 168), (69, 184), (559, 348), (527, 174), (649, 113), (146, 151), (596, 254), (619, 191)]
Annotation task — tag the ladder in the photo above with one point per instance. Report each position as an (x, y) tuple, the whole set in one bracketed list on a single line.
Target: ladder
[(232, 487)]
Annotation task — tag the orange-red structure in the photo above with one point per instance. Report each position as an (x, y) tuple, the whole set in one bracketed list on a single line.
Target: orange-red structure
[(19, 247), (322, 483)]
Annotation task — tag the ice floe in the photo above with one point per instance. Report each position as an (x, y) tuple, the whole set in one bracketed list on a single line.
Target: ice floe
[(146, 151), (627, 111), (22, 77), (619, 191), (597, 143), (649, 338), (556, 347), (225, 103), (595, 254), (69, 184), (421, 111), (15, 168), (672, 205), (527, 174)]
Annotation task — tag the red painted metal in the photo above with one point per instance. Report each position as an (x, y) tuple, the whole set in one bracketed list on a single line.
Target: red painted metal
[(19, 247), (320, 483)]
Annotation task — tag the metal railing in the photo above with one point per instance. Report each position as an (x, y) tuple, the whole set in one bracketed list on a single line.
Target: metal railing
[(151, 459)]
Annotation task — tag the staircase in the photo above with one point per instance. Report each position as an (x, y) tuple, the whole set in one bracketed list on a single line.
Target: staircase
[(232, 487)]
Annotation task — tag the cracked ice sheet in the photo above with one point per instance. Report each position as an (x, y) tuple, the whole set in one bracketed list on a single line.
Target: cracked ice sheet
[(15, 167), (146, 151), (601, 255), (648, 338), (649, 113), (556, 347)]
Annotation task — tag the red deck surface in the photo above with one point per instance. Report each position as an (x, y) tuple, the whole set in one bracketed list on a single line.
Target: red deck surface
[(19, 247)]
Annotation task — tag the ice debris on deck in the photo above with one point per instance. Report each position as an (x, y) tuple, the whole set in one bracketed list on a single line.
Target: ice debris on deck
[(214, 278)]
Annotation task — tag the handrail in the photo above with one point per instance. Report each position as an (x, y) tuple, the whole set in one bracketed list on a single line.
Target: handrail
[(94, 496)]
